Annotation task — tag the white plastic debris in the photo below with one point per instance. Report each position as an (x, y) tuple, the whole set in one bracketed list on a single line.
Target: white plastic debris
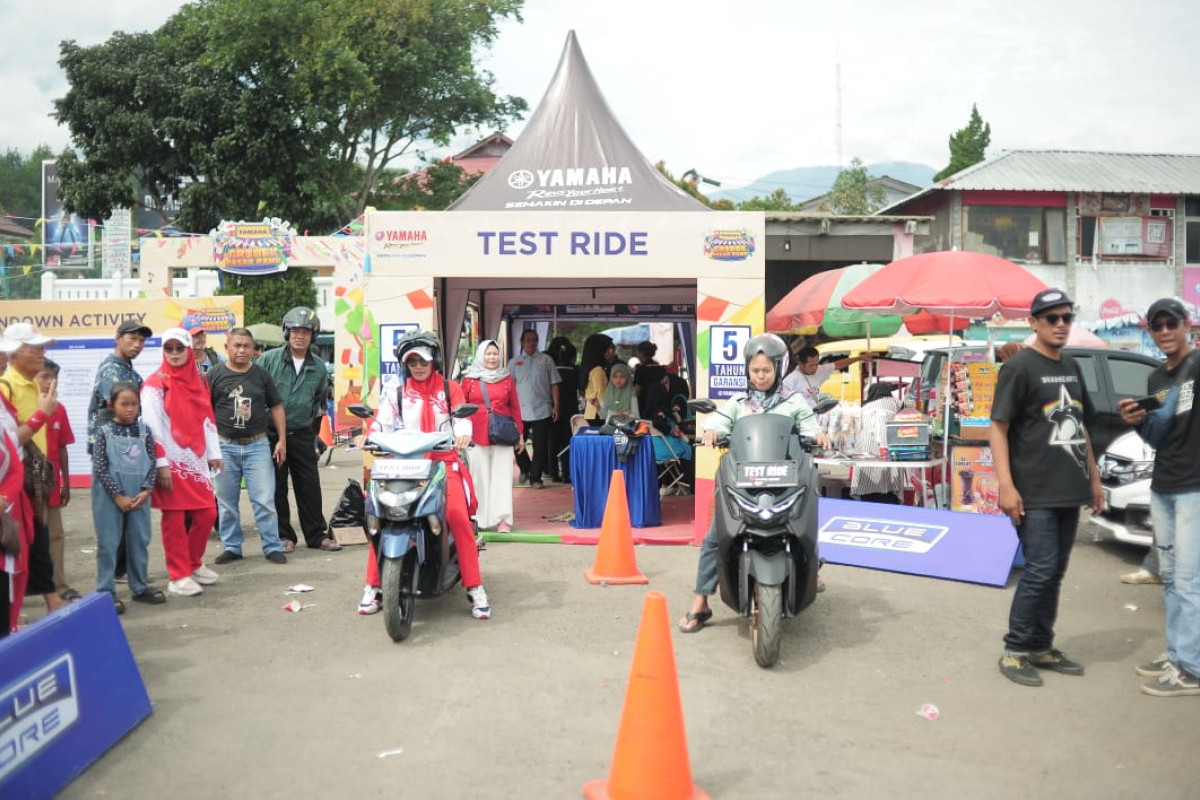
[(386, 753), (296, 606), (929, 711), (299, 588), (1130, 607)]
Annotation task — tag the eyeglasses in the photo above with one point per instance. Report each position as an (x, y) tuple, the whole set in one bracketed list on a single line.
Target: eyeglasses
[(1053, 319), (1170, 324), (416, 361), (176, 349)]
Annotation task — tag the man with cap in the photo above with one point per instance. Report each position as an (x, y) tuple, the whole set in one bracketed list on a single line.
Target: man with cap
[(26, 349), (116, 367), (303, 383), (1046, 470), (1174, 497)]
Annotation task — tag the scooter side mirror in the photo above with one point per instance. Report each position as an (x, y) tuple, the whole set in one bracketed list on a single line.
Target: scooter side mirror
[(702, 405), (825, 405), (361, 410), (465, 410)]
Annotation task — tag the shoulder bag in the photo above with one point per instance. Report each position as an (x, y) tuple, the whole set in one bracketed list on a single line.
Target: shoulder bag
[(502, 429)]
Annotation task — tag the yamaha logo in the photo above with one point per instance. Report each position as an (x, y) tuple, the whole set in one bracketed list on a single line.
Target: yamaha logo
[(520, 179), (881, 534)]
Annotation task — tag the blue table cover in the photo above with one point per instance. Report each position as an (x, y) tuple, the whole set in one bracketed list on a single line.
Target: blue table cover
[(593, 460)]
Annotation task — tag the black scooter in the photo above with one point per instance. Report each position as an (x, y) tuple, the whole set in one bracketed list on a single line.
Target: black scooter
[(766, 523)]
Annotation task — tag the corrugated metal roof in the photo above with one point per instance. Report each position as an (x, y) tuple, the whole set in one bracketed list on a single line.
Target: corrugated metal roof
[(1075, 171)]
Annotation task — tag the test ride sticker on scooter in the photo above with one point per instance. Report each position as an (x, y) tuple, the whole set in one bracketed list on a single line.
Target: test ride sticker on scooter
[(978, 548), (36, 709)]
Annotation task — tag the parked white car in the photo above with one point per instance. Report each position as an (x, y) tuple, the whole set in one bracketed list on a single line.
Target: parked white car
[(1125, 471)]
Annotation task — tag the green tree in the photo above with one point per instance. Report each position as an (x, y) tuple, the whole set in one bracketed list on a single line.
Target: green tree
[(778, 200), (284, 108), (268, 297), (852, 193), (21, 183), (967, 145), (431, 189)]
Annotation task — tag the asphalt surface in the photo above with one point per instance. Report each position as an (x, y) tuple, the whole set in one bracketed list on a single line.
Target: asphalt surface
[(251, 701)]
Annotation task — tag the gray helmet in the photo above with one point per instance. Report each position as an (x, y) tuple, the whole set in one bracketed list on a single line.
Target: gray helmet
[(301, 317), (771, 346)]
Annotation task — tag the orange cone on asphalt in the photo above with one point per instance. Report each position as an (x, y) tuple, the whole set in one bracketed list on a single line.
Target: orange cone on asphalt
[(650, 761), (326, 432), (615, 561)]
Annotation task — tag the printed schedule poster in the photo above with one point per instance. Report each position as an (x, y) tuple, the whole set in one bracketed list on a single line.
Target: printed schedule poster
[(727, 370)]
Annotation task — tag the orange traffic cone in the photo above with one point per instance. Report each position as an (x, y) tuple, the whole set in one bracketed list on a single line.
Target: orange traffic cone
[(615, 562), (326, 432), (650, 761)]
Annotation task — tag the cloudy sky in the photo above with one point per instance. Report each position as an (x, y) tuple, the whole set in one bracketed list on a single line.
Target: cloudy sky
[(736, 90)]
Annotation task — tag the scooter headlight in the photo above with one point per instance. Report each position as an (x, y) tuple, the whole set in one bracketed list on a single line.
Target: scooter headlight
[(761, 508), (394, 498)]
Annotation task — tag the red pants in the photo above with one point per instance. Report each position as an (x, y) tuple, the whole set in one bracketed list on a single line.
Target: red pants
[(184, 545), (459, 520)]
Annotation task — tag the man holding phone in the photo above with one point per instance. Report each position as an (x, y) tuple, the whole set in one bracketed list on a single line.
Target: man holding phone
[(1046, 470), (1174, 500)]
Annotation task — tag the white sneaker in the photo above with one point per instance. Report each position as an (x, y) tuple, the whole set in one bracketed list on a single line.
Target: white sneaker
[(479, 603), (205, 576), (184, 586), (1142, 576), (372, 601)]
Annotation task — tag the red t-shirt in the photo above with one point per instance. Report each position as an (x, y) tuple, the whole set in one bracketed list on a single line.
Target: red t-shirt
[(58, 435)]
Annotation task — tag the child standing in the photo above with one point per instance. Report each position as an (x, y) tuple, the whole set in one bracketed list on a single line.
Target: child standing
[(58, 436), (123, 474)]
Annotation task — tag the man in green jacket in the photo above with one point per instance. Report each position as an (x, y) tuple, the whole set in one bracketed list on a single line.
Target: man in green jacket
[(303, 383)]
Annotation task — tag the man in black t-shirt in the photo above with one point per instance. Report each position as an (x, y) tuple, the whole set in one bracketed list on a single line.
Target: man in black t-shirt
[(1174, 498), (1046, 470), (246, 402)]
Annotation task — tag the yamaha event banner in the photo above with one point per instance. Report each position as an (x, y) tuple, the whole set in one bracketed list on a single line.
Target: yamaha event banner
[(978, 548)]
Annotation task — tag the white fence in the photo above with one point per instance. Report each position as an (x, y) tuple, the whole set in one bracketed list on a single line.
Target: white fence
[(197, 283)]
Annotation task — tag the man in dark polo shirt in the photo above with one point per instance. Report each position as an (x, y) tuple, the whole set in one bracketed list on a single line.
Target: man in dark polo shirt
[(303, 383), (247, 404)]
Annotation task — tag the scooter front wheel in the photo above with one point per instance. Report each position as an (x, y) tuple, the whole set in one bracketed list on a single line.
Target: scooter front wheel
[(398, 577), (766, 623)]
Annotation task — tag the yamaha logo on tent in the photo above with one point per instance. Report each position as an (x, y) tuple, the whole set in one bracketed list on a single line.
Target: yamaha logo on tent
[(36, 709), (881, 534)]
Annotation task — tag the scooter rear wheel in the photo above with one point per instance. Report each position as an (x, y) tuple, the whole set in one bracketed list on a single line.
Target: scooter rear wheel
[(398, 577), (766, 624)]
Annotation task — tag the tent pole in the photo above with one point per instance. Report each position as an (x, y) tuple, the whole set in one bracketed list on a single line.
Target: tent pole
[(946, 415)]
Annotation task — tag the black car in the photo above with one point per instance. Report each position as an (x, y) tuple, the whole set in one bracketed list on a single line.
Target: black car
[(1108, 375)]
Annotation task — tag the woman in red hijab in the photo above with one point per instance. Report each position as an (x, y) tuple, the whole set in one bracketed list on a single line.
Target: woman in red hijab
[(177, 409)]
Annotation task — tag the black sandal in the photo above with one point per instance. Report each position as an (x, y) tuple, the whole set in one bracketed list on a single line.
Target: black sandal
[(118, 606), (701, 619), (154, 596), (69, 595)]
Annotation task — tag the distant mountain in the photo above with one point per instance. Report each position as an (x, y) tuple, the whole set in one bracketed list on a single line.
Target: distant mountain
[(803, 183)]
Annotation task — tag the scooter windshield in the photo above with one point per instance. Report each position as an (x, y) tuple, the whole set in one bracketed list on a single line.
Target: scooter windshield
[(409, 443), (761, 438)]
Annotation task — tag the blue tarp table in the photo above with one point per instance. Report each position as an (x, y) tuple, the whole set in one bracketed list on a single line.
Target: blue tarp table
[(593, 460)]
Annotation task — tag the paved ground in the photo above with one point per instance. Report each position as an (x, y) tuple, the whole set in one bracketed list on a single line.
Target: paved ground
[(254, 702)]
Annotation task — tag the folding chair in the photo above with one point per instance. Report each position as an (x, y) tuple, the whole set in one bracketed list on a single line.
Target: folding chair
[(669, 454)]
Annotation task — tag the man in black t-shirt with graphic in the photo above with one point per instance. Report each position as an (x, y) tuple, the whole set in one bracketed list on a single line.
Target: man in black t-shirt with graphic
[(245, 402), (1046, 470), (1174, 498)]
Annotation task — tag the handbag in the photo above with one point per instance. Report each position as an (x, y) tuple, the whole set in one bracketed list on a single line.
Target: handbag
[(502, 429)]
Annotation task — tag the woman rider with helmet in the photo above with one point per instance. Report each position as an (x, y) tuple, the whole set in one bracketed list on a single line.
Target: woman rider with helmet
[(424, 401), (766, 363)]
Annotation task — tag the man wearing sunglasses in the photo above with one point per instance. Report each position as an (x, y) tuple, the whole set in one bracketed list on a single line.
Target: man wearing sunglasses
[(1046, 470), (1174, 499)]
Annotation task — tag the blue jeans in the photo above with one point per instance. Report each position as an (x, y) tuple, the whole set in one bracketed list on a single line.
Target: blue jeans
[(1047, 536), (111, 524), (1177, 540), (706, 569), (254, 463)]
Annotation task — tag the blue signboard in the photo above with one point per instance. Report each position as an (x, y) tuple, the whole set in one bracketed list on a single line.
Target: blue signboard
[(978, 548), (69, 690)]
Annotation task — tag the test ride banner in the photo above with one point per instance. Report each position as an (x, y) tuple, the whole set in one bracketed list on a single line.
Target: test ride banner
[(978, 548)]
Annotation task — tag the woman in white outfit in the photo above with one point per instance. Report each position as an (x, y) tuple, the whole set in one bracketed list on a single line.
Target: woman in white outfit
[(491, 464)]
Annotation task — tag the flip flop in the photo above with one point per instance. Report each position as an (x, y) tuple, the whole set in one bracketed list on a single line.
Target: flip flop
[(700, 619), (329, 545), (289, 546), (70, 595), (152, 595), (118, 606)]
